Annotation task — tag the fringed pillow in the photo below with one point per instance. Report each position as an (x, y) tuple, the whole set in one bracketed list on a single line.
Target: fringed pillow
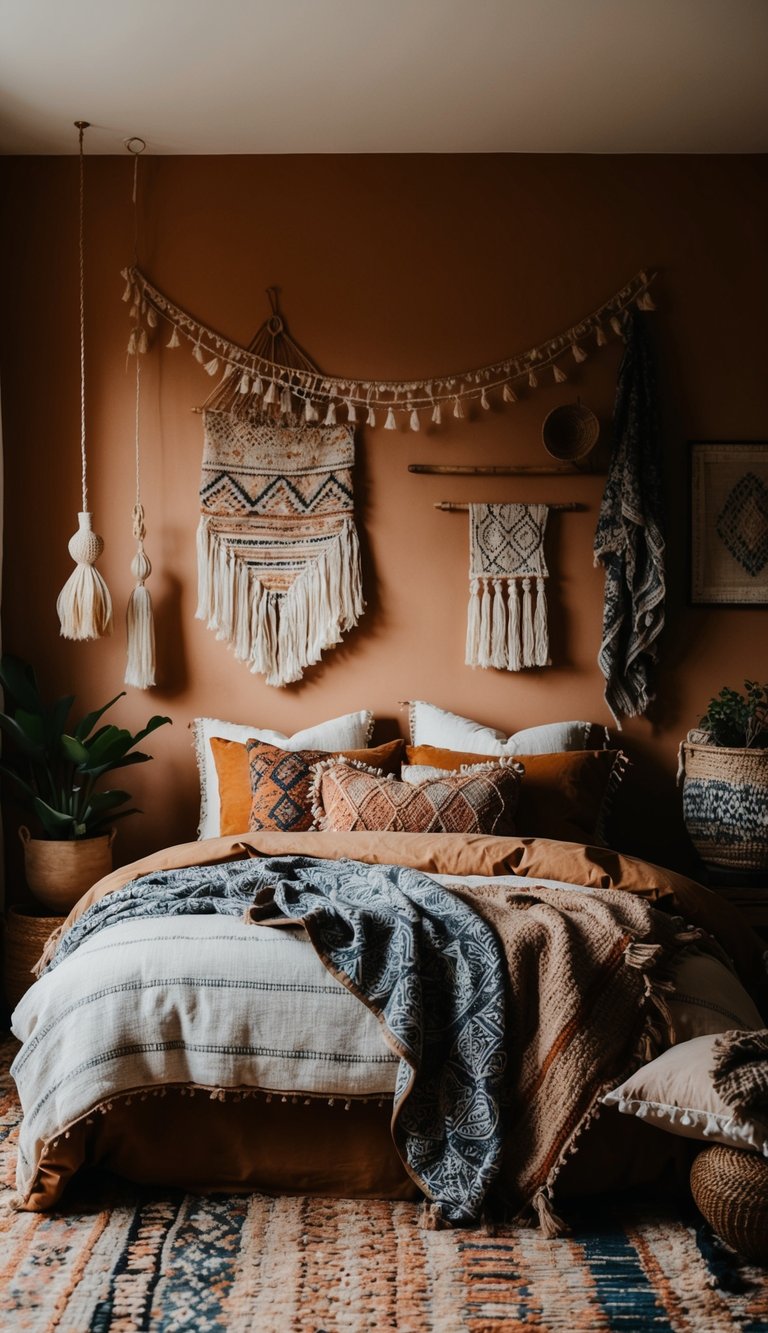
[(351, 797), (280, 784)]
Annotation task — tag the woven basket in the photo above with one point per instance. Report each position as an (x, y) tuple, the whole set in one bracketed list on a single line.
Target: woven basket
[(570, 432), (730, 1186), (725, 804), (25, 937)]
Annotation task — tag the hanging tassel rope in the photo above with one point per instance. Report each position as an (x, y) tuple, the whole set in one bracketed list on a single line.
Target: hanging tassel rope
[(140, 627), (84, 605)]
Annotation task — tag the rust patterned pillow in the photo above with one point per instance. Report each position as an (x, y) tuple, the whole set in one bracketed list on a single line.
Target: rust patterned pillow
[(255, 784), (352, 796)]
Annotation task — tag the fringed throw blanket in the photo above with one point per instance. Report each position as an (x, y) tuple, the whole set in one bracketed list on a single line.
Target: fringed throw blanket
[(507, 617), (740, 1075), (278, 556), (629, 542)]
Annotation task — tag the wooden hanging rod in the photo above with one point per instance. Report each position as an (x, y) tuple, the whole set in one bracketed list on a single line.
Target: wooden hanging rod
[(456, 506), (496, 470)]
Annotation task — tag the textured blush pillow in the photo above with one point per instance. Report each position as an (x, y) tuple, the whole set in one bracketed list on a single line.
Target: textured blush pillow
[(280, 783), (352, 797), (350, 732), (567, 796), (434, 726), (675, 1091)]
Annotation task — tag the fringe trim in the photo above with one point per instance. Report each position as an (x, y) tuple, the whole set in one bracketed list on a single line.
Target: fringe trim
[(508, 632), (319, 817), (279, 634)]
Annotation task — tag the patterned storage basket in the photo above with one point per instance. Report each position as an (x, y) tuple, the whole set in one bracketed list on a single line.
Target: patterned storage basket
[(725, 804), (730, 1187)]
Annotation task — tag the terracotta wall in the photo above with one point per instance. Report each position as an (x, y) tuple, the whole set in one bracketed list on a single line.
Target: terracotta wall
[(388, 267)]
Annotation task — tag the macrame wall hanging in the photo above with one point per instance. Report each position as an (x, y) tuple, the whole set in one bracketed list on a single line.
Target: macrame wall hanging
[(278, 555), (84, 605), (140, 625), (507, 616), (301, 389)]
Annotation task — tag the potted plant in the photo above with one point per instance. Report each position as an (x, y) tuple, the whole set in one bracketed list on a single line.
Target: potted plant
[(724, 764), (54, 769)]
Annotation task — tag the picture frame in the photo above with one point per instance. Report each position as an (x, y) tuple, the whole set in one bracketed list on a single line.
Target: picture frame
[(728, 522)]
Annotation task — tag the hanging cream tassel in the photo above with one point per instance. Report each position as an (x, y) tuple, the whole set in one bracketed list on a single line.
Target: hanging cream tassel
[(351, 411), (84, 605), (645, 302), (484, 403), (473, 624), (310, 411), (271, 395), (229, 371), (128, 288), (600, 338), (414, 420), (330, 416), (390, 423), (558, 375), (527, 636), (151, 317), (197, 352), (458, 409), (540, 629), (210, 366), (508, 394), (143, 342), (131, 348), (370, 419), (257, 387), (484, 638), (245, 383), (616, 325), (174, 340), (532, 379), (140, 669), (578, 353), (513, 628), (437, 414), (498, 627), (286, 405)]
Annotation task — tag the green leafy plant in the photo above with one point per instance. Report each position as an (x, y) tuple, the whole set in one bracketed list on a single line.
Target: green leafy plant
[(53, 768), (738, 717)]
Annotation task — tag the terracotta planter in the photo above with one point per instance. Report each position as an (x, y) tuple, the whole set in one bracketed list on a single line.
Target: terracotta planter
[(725, 804), (58, 873)]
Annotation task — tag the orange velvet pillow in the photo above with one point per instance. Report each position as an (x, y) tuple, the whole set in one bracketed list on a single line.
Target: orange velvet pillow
[(567, 796), (231, 760)]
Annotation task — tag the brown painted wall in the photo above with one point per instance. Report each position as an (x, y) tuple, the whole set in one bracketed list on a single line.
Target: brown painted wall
[(388, 267)]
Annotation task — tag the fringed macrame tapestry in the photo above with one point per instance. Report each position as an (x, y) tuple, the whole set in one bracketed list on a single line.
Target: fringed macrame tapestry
[(507, 619), (278, 556)]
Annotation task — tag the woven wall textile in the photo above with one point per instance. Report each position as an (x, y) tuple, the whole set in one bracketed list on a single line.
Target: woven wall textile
[(507, 617), (278, 556)]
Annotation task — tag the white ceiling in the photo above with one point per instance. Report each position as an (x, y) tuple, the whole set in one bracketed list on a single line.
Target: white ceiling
[(386, 76)]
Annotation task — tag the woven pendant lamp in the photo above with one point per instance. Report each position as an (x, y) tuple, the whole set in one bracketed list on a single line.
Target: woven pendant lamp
[(84, 605)]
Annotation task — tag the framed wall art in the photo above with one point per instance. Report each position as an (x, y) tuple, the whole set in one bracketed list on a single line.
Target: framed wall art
[(729, 522)]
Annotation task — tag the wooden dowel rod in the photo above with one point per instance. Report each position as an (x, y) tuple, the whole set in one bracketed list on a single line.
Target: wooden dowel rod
[(494, 470), (455, 506)]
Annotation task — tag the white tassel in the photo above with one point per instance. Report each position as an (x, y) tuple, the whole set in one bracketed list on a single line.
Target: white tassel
[(508, 394), (174, 340), (527, 636), (351, 411), (143, 343), (540, 628), (600, 338), (197, 352), (484, 403), (245, 383), (257, 387), (310, 411), (286, 404), (211, 366), (151, 317), (390, 423), (473, 624), (128, 288), (532, 379), (498, 627), (330, 416), (131, 348), (645, 302), (558, 375), (616, 325), (229, 371), (370, 419), (84, 605), (437, 414), (414, 420), (578, 353), (271, 395), (513, 628), (484, 638), (458, 408), (140, 670)]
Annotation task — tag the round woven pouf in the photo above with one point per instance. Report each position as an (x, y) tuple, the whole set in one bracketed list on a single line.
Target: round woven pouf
[(730, 1187)]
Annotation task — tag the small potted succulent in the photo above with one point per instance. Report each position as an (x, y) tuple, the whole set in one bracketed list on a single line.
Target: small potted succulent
[(724, 765), (53, 769)]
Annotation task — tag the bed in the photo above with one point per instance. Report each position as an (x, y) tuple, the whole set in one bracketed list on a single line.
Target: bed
[(240, 1050)]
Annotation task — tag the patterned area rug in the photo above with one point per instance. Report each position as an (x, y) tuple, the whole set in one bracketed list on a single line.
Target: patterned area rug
[(120, 1258)]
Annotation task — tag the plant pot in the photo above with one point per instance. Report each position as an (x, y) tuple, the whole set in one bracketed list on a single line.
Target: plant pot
[(725, 804), (58, 873)]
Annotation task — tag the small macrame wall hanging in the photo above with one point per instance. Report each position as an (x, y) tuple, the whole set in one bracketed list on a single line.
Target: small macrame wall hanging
[(84, 605), (278, 555), (507, 616), (139, 619)]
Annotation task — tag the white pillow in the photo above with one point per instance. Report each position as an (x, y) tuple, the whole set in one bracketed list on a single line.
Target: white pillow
[(676, 1093), (350, 732), (707, 997), (434, 726)]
